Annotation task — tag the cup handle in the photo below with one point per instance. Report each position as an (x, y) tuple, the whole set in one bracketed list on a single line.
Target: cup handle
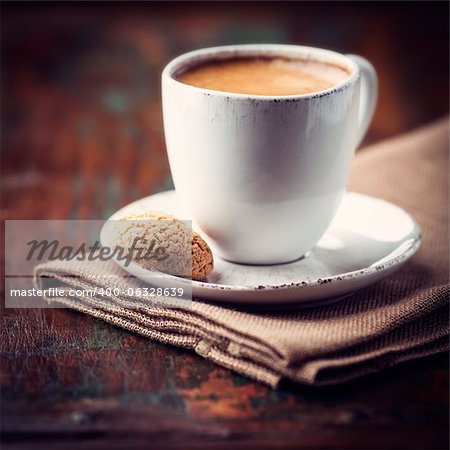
[(368, 96)]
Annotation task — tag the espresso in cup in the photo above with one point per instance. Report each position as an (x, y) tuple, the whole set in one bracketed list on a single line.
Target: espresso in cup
[(264, 76), (261, 170)]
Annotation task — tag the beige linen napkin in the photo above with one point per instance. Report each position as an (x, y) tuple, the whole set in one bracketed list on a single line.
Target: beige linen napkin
[(398, 319)]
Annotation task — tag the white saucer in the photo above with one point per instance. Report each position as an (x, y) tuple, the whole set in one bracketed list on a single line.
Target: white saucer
[(368, 240)]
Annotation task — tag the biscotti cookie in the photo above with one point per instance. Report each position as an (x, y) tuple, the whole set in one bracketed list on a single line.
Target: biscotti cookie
[(187, 254)]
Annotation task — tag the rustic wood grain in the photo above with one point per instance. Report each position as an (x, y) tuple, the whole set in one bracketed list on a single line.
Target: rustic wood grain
[(82, 136)]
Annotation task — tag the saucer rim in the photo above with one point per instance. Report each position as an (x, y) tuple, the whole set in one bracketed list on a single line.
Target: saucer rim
[(343, 278)]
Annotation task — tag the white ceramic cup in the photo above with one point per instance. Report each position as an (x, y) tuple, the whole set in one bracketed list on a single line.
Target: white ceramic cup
[(262, 176)]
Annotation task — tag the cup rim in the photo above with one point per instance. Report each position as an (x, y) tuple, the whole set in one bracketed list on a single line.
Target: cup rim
[(286, 50)]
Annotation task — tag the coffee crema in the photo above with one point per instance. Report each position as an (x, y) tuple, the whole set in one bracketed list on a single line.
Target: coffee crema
[(264, 76)]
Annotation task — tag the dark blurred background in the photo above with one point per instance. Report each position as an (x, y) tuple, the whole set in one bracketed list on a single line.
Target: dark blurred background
[(81, 115)]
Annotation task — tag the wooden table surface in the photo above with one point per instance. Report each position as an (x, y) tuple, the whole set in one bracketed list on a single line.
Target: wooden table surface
[(82, 136)]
